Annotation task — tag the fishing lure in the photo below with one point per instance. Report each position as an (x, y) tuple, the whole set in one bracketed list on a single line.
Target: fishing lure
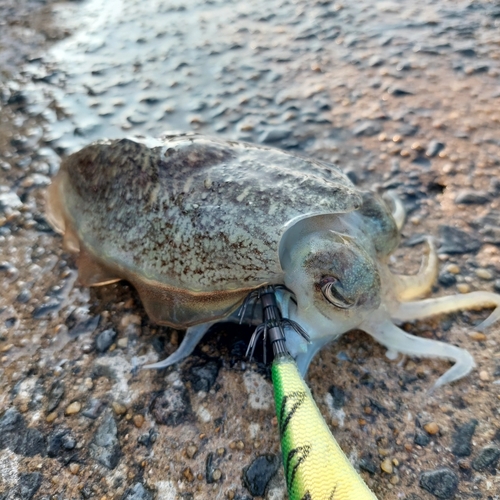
[(315, 466)]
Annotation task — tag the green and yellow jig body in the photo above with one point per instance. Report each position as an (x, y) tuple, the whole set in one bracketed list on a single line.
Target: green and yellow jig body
[(315, 465)]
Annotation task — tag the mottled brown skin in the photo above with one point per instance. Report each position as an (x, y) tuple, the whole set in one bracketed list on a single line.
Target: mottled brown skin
[(185, 308), (192, 222)]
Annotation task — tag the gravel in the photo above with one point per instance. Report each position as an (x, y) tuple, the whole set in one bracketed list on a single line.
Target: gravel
[(434, 148), (105, 339), (257, 475), (105, 448), (367, 129), (27, 486), (137, 492), (203, 377), (318, 78), (487, 458), (55, 395), (16, 436), (471, 197), (462, 439), (456, 241), (172, 407), (442, 483)]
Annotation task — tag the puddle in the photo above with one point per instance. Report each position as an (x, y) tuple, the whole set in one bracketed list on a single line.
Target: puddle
[(233, 68)]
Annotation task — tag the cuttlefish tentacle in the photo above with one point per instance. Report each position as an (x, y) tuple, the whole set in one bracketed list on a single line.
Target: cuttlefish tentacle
[(191, 338), (409, 311), (304, 359), (398, 209), (389, 335), (420, 284)]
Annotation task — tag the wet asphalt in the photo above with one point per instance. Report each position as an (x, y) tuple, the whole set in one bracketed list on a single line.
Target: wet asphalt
[(403, 96)]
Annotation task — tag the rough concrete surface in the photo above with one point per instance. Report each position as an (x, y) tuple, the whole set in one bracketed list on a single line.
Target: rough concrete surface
[(402, 95)]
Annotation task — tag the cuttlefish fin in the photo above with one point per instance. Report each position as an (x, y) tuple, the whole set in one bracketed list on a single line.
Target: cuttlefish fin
[(91, 272)]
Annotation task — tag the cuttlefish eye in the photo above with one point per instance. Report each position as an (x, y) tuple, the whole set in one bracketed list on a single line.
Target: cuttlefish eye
[(332, 290)]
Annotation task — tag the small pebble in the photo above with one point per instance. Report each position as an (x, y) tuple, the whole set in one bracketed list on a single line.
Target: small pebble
[(484, 375), (442, 483), (73, 408), (453, 269), (386, 466), (24, 296), (431, 428), (105, 339), (191, 450), (217, 474), (484, 274), (138, 420), (472, 197), (130, 319), (257, 475), (51, 417), (478, 336), (434, 148), (394, 480), (447, 279), (456, 241), (74, 468), (462, 438), (188, 474), (463, 288), (247, 127), (118, 408), (487, 458), (123, 342), (274, 135)]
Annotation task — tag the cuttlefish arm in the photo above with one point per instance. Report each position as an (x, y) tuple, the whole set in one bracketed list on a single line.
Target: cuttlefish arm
[(380, 325), (415, 286), (384, 331)]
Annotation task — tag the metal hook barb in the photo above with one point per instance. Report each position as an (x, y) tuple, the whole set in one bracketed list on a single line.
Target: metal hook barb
[(273, 324)]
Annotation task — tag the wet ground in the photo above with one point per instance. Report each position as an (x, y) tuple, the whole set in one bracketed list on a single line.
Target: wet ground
[(402, 96)]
